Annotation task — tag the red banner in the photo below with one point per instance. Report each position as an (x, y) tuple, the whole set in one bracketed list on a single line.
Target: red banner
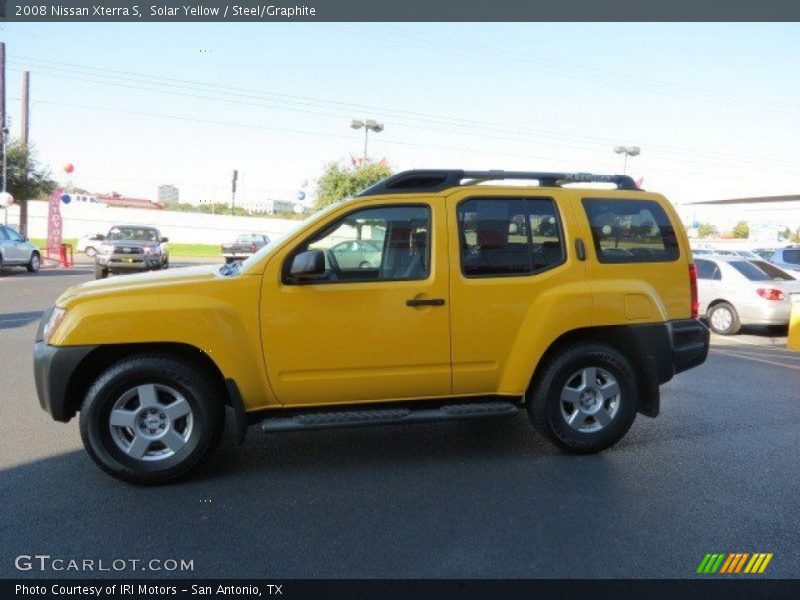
[(54, 224)]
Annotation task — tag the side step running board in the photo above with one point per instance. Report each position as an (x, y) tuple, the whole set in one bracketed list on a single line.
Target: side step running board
[(377, 416)]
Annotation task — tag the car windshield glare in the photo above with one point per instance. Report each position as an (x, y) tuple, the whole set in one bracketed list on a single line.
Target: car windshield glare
[(132, 234)]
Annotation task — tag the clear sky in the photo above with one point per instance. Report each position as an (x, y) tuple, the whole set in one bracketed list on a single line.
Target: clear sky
[(714, 107)]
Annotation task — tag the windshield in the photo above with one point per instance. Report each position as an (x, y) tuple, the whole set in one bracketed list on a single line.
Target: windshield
[(250, 238), (791, 256), (138, 234), (294, 228)]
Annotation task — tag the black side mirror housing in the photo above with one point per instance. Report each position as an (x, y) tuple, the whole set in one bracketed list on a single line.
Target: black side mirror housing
[(308, 265)]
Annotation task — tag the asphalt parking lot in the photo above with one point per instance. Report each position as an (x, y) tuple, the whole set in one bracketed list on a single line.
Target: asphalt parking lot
[(716, 472)]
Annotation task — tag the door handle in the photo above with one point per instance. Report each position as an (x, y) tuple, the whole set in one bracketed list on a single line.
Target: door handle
[(425, 302)]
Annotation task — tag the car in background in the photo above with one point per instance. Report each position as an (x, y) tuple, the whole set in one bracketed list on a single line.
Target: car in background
[(89, 244), (17, 251), (356, 254), (787, 258), (764, 253), (701, 252), (244, 247), (734, 292), (747, 254), (130, 248)]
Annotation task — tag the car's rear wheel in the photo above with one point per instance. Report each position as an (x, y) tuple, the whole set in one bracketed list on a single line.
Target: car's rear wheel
[(151, 418), (585, 399), (723, 319), (34, 263), (100, 272)]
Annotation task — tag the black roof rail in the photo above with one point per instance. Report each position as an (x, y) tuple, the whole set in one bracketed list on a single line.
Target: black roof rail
[(435, 180)]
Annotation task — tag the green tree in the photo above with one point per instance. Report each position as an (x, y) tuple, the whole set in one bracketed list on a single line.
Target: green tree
[(340, 181), (741, 230), (27, 179), (706, 230)]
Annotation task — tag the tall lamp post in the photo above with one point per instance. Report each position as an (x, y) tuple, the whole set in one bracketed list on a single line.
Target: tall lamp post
[(368, 125), (627, 151)]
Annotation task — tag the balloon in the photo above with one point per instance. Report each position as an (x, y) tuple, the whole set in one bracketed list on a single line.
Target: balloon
[(69, 168), (66, 198)]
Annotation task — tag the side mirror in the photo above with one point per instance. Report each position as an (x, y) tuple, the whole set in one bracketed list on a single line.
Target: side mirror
[(164, 240), (308, 265)]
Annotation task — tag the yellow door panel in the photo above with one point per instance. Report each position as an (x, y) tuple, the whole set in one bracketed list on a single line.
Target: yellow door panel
[(348, 340), (504, 312)]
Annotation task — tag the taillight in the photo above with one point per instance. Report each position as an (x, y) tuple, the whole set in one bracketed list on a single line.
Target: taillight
[(770, 294), (693, 288)]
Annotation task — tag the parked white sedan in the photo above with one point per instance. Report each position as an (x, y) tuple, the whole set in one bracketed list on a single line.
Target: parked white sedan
[(90, 243), (733, 292)]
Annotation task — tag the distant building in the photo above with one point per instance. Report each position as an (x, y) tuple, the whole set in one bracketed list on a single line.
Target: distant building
[(118, 200), (168, 194), (765, 215), (268, 206)]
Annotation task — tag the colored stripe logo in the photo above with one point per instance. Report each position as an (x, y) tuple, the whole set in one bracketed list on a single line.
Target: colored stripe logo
[(734, 562)]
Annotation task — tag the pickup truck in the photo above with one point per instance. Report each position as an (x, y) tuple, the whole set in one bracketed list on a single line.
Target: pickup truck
[(245, 245)]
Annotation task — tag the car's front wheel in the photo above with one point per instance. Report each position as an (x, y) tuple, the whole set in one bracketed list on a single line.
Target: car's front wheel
[(151, 418), (34, 263), (723, 319), (90, 251), (585, 399)]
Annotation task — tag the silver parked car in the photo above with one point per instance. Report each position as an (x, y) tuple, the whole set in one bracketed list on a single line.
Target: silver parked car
[(787, 258), (735, 292), (16, 250)]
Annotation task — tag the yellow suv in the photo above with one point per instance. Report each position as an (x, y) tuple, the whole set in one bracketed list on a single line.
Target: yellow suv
[(430, 295)]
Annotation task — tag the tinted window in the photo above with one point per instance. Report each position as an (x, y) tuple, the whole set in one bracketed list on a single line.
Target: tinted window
[(374, 244), (13, 235), (773, 271), (130, 234), (707, 269), (749, 270), (3, 234), (631, 231), (791, 256), (509, 236)]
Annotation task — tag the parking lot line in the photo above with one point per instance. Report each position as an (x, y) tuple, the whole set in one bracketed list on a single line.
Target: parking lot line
[(744, 356)]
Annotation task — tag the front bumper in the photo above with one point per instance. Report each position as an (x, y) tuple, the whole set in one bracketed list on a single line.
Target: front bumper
[(129, 262), (53, 367)]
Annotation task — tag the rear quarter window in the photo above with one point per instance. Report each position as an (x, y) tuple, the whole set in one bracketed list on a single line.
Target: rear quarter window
[(631, 231)]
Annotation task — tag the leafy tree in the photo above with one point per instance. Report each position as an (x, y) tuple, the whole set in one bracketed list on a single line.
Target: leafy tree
[(741, 230), (341, 181), (706, 230), (27, 179)]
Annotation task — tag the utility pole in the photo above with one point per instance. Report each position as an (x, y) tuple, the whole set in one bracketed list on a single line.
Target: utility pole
[(24, 132), (3, 112), (233, 190)]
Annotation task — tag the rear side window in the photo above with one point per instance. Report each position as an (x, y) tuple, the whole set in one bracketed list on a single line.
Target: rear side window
[(707, 269), (791, 256), (773, 271), (749, 270), (3, 234), (631, 231), (509, 236)]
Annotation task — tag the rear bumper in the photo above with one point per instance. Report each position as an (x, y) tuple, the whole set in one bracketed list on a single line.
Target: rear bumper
[(53, 367), (663, 349)]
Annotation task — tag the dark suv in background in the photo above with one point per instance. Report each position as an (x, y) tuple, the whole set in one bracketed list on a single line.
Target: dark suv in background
[(129, 248)]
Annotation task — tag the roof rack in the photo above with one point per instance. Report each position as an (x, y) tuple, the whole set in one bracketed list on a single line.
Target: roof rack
[(435, 180)]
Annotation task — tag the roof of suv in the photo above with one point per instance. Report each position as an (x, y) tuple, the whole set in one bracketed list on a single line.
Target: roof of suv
[(437, 180)]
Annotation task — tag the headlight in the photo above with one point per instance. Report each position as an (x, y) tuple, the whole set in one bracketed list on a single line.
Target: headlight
[(151, 250), (56, 317)]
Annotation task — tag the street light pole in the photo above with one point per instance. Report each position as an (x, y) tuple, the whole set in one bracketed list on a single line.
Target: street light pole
[(368, 124), (627, 151)]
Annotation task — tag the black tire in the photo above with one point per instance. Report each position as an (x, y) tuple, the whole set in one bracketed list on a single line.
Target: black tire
[(100, 272), (726, 314), (34, 263), (547, 409), (166, 264), (192, 383), (229, 260)]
